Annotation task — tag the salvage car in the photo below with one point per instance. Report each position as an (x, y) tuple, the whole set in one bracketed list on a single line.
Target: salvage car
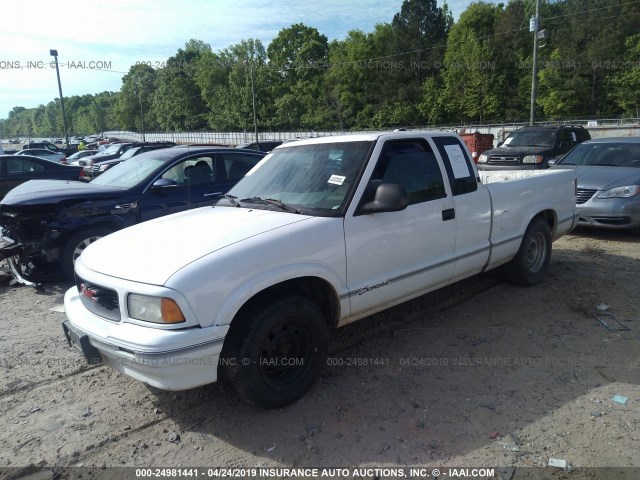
[(608, 172), (17, 169), (48, 223), (320, 233)]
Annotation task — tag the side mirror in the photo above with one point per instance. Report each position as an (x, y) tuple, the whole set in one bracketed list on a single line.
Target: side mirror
[(551, 162), (163, 184), (389, 197)]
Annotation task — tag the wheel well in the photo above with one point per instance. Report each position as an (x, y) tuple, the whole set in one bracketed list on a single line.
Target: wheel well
[(316, 289), (550, 217)]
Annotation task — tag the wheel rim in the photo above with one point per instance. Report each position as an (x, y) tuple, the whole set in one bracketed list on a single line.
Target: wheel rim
[(285, 353), (536, 252), (82, 245)]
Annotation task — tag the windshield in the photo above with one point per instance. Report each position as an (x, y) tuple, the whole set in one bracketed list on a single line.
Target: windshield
[(129, 174), (111, 149), (604, 154), (530, 138), (317, 179), (129, 153)]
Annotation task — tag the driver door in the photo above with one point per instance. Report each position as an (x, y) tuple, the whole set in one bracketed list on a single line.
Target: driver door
[(393, 256)]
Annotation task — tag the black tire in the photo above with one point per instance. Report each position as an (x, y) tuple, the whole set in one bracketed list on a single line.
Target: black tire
[(274, 351), (530, 264), (74, 246)]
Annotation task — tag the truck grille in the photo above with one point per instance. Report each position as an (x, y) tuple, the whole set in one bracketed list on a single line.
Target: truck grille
[(584, 195), (504, 159), (100, 300)]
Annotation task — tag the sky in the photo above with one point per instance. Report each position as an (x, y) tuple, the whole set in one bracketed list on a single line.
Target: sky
[(98, 41)]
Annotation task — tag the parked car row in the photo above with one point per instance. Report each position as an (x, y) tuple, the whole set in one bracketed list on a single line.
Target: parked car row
[(116, 153), (321, 233), (50, 222)]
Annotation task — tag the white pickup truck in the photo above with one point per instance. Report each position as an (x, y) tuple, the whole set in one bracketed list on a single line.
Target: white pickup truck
[(320, 233)]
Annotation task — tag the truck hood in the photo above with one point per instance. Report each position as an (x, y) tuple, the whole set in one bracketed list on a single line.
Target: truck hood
[(43, 192), (518, 151), (151, 252)]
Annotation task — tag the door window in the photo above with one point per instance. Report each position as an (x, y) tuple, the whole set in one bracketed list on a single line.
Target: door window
[(236, 165), (192, 171), (412, 165), (18, 166)]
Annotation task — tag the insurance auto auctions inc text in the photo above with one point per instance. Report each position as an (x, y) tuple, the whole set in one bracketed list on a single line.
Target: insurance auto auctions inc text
[(361, 472)]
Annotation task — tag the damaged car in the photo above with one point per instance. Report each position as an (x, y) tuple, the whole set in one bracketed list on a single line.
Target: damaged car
[(46, 224)]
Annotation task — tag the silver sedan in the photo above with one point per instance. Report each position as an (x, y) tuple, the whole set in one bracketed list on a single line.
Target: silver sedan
[(608, 172)]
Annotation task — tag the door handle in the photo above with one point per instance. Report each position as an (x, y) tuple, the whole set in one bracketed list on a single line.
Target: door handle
[(212, 194), (448, 214), (127, 205)]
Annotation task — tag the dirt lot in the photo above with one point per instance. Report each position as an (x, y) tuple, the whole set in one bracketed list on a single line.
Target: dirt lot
[(482, 374)]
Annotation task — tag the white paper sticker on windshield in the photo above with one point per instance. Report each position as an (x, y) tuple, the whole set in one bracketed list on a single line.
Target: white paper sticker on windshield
[(336, 179), (457, 160), (507, 141)]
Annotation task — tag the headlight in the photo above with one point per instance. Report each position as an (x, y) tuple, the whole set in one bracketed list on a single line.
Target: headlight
[(483, 158), (533, 159), (621, 192), (154, 309)]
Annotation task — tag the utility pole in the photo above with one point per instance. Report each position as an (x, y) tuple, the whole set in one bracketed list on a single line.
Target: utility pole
[(54, 54), (253, 101), (534, 26), (139, 93)]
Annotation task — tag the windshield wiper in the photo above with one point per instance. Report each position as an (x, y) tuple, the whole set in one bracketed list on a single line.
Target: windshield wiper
[(232, 199), (271, 201)]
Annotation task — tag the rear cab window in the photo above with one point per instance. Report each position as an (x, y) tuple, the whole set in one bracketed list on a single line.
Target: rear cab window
[(462, 177)]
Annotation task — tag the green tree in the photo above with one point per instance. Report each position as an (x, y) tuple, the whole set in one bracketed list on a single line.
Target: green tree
[(226, 81), (472, 86), (177, 101), (299, 54), (136, 94), (420, 30), (626, 83)]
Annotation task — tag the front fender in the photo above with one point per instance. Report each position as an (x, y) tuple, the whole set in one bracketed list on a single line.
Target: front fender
[(219, 284)]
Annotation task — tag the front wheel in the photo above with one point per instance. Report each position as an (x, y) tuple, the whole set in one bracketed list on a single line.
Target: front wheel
[(76, 244), (532, 260), (274, 352)]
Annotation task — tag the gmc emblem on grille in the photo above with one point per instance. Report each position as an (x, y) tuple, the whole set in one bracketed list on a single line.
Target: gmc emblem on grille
[(88, 291)]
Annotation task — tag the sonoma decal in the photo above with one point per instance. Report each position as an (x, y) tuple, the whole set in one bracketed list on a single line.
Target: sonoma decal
[(362, 290)]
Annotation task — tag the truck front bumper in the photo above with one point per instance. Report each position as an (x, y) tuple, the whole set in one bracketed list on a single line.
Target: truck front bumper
[(166, 359)]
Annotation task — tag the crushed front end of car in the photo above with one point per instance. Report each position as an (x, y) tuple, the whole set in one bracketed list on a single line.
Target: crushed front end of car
[(28, 248)]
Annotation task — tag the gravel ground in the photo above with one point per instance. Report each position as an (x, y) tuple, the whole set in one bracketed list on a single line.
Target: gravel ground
[(480, 374)]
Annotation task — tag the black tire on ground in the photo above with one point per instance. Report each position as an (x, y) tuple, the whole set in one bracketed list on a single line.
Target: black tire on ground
[(275, 350), (74, 246), (532, 260)]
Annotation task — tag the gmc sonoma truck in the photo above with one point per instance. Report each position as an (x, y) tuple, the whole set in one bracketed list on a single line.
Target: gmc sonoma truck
[(320, 233)]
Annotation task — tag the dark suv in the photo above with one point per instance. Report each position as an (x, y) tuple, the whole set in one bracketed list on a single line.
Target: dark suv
[(530, 148)]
